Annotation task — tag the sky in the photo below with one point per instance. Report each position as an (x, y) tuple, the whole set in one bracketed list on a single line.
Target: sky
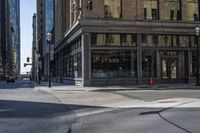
[(28, 8)]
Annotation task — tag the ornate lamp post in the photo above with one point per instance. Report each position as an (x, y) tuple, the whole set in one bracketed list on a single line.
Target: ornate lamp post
[(49, 39), (197, 29)]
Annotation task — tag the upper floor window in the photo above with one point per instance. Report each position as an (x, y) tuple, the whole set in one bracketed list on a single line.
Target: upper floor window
[(112, 8), (151, 9), (192, 10), (172, 10)]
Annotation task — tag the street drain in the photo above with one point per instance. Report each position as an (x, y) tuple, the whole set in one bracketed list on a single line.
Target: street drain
[(167, 102)]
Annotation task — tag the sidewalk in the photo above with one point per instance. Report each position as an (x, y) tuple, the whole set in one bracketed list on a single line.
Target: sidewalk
[(65, 87)]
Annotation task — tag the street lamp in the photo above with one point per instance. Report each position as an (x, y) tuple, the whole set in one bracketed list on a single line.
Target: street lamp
[(49, 39), (197, 29)]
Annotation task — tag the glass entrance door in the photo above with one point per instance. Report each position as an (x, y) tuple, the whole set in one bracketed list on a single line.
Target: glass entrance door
[(169, 70)]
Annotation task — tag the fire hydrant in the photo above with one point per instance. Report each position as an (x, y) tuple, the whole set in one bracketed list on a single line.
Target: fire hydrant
[(150, 82)]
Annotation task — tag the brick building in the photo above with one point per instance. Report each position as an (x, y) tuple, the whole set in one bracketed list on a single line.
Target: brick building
[(107, 42)]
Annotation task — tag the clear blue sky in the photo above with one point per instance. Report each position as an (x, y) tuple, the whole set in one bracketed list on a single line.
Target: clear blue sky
[(28, 8)]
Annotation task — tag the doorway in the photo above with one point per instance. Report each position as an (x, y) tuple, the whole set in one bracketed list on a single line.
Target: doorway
[(169, 70)]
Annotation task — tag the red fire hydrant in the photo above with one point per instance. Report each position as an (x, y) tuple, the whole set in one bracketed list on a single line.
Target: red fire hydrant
[(150, 82)]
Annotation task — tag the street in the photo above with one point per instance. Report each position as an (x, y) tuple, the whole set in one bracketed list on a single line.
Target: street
[(24, 110), (62, 109)]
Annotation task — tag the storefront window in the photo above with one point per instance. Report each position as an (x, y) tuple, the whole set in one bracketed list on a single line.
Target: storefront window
[(114, 64), (72, 63), (172, 10), (151, 9), (112, 8), (148, 63), (192, 10)]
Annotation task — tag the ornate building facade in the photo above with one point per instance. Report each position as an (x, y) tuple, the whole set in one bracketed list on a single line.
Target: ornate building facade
[(107, 42)]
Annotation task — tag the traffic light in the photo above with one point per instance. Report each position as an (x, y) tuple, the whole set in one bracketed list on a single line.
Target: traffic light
[(28, 59), (89, 5), (24, 64)]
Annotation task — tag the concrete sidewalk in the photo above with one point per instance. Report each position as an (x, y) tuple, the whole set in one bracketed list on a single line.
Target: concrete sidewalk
[(65, 87)]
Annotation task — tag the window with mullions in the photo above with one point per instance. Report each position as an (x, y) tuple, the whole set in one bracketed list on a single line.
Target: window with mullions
[(149, 40), (113, 39), (191, 10), (128, 40), (172, 10), (151, 9), (112, 8), (114, 64)]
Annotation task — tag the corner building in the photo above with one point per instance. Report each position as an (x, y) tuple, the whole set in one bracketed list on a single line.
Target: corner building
[(110, 42)]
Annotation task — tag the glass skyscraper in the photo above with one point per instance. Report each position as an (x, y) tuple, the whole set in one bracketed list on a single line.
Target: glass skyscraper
[(14, 6)]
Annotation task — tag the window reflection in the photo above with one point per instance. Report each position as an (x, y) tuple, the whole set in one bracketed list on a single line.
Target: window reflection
[(114, 64)]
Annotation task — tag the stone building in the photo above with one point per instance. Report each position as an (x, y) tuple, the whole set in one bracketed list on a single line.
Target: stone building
[(108, 42), (40, 37)]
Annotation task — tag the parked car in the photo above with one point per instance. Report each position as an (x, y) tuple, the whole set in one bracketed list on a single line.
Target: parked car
[(10, 79)]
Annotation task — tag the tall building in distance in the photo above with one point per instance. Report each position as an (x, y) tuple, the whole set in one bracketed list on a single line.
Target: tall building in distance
[(10, 38), (48, 27), (45, 24), (15, 22), (102, 42), (40, 37)]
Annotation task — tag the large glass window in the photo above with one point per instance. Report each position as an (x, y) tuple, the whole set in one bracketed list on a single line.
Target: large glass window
[(72, 63), (114, 64), (192, 10), (151, 9), (172, 10), (112, 8)]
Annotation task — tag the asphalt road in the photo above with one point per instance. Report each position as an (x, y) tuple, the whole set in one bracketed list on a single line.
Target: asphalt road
[(182, 117), (24, 110)]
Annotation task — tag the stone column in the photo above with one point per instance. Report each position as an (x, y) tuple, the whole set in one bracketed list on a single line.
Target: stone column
[(139, 58), (86, 59)]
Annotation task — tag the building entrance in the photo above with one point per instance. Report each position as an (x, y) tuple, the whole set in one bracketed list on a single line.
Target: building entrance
[(169, 70)]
